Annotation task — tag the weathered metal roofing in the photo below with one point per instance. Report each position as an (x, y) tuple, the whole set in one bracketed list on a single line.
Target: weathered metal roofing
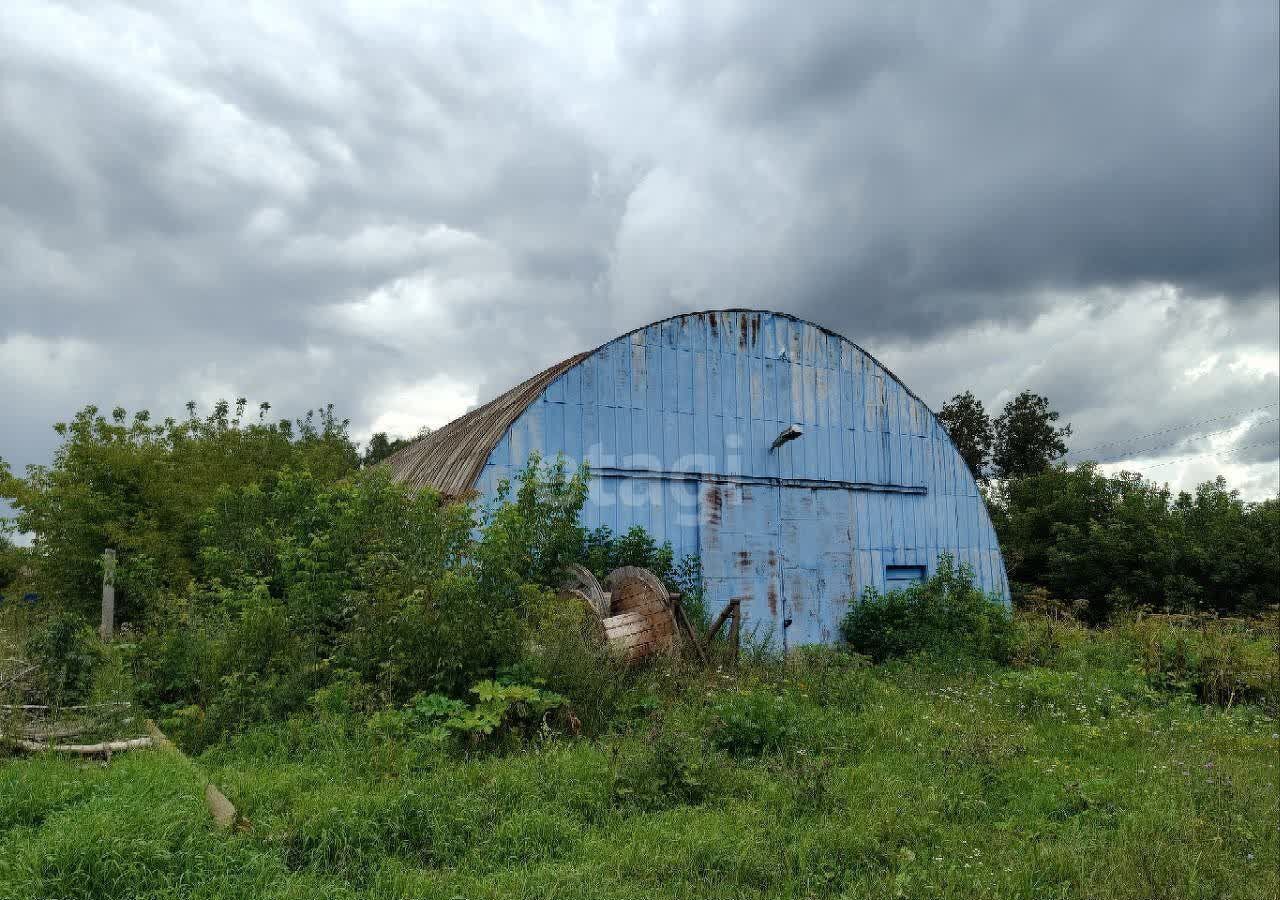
[(450, 458)]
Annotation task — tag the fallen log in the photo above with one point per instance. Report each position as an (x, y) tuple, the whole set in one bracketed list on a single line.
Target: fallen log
[(220, 808), (31, 707), (83, 706), (101, 749)]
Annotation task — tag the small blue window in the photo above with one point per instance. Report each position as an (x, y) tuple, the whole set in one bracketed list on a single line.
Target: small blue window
[(898, 577)]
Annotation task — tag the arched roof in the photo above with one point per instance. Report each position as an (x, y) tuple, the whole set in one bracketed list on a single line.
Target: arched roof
[(451, 458)]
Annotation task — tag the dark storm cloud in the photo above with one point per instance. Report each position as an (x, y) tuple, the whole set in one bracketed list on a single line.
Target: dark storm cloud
[(406, 209), (967, 158), (1260, 440)]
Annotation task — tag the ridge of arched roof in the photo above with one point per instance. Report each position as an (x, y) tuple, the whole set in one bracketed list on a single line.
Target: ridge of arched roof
[(451, 458)]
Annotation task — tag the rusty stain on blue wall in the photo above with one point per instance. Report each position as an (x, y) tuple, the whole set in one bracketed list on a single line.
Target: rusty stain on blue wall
[(677, 420)]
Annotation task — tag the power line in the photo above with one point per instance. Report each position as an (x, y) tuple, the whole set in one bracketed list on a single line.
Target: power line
[(1179, 459), (1191, 437), (1140, 437)]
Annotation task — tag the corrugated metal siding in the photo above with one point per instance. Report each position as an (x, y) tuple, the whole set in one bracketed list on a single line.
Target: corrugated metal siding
[(677, 419)]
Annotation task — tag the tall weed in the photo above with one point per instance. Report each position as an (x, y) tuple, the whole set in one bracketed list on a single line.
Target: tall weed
[(946, 614)]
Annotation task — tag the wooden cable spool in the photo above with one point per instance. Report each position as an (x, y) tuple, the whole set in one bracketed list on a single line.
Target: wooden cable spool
[(580, 582), (635, 615), (640, 621)]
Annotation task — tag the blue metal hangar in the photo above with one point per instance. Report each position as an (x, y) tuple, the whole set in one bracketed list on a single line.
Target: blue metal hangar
[(797, 467)]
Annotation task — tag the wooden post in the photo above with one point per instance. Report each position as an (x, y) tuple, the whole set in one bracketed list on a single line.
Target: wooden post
[(719, 622), (734, 629), (682, 619), (108, 626)]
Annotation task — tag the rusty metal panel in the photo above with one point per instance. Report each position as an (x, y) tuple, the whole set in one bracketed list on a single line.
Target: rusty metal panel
[(817, 530), (738, 536)]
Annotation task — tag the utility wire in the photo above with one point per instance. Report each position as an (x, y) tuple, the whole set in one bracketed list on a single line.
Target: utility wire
[(1140, 437), (1204, 455), (1191, 437)]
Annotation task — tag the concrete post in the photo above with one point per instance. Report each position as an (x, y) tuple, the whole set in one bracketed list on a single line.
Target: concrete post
[(108, 627)]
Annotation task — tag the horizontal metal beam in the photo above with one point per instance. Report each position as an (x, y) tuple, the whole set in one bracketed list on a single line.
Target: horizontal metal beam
[(721, 478)]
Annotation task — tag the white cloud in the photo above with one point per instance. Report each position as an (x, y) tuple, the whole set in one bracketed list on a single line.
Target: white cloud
[(1116, 366), (404, 409), (50, 364)]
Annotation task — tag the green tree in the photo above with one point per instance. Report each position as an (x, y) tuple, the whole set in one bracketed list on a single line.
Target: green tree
[(302, 582), (946, 614), (1119, 541), (140, 487), (969, 427), (531, 526), (381, 446), (1025, 439)]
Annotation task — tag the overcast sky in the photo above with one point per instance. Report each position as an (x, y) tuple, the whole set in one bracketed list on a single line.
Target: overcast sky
[(404, 210)]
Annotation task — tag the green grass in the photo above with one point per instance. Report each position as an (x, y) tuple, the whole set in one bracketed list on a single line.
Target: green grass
[(1077, 779)]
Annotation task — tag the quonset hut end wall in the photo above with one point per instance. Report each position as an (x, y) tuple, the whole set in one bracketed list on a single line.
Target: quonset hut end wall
[(678, 421)]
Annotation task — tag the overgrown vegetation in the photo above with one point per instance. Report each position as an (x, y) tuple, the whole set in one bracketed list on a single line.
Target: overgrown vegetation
[(260, 564), (945, 614), (304, 583), (67, 652), (1072, 772), (141, 487), (400, 706), (1117, 543)]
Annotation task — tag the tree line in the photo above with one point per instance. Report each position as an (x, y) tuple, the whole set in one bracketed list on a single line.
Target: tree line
[(1107, 544)]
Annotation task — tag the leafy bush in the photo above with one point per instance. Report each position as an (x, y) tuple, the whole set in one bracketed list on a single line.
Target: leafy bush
[(502, 713), (672, 767), (603, 551), (514, 709), (946, 614), (1220, 662), (752, 722), (531, 530), (303, 579), (67, 651)]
